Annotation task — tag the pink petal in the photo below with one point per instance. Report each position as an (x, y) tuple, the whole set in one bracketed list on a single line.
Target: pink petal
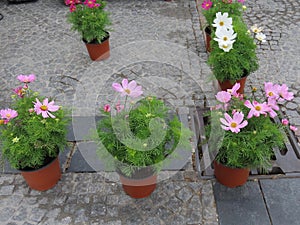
[(117, 87), (131, 85), (125, 83), (228, 118), (238, 117), (224, 121), (243, 124)]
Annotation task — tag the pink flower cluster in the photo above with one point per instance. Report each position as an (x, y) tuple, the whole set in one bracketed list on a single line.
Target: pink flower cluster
[(275, 93), (128, 89), (7, 114), (88, 3), (207, 4), (44, 108)]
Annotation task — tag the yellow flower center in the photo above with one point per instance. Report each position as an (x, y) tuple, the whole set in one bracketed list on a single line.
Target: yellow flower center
[(127, 91), (270, 93), (44, 108), (233, 124), (225, 38), (225, 46), (258, 108), (1, 122), (8, 115), (221, 23)]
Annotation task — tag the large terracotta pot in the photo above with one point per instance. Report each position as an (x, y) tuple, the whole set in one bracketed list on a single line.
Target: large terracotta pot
[(228, 85), (44, 178), (99, 51), (230, 177)]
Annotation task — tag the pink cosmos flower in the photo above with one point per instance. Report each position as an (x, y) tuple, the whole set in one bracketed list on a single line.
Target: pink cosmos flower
[(234, 90), (72, 7), (106, 108), (272, 103), (206, 4), (284, 94), (130, 89), (271, 90), (26, 78), (45, 108), (90, 3), (8, 114), (19, 91), (233, 124), (72, 2), (285, 122), (293, 128), (223, 96), (241, 1), (256, 108), (119, 107)]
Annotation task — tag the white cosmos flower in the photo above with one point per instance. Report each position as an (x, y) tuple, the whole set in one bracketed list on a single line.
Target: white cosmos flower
[(225, 35), (261, 37), (226, 46), (256, 29), (222, 21)]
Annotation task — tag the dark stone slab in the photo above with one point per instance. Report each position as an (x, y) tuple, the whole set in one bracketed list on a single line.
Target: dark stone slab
[(283, 200), (81, 128), (241, 205), (85, 158)]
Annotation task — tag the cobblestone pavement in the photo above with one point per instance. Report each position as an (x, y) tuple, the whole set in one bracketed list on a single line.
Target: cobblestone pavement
[(161, 45), (88, 198)]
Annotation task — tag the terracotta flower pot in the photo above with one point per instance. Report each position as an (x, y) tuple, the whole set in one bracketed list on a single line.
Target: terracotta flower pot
[(138, 188), (228, 85), (230, 177), (207, 31), (44, 178), (99, 51)]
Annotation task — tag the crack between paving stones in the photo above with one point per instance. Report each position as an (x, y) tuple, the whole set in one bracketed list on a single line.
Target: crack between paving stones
[(69, 156), (264, 199)]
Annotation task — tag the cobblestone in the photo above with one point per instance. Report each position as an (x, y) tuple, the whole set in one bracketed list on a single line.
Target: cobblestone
[(161, 45)]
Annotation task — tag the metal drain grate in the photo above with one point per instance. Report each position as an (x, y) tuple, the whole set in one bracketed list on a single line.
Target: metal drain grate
[(286, 162)]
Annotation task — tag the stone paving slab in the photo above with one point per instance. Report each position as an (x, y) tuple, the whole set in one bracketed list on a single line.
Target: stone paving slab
[(282, 199), (241, 205)]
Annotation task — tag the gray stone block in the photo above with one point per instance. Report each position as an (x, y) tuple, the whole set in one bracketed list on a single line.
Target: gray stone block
[(241, 205), (283, 200)]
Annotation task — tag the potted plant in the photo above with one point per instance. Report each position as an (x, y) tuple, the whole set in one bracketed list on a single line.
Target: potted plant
[(244, 133), (32, 135), (233, 49), (92, 22), (137, 137)]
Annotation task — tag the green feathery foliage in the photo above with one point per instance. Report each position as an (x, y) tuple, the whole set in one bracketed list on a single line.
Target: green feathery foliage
[(143, 137), (253, 146), (29, 139), (92, 23)]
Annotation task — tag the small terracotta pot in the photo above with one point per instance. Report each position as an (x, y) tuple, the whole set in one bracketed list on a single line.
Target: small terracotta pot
[(44, 178), (207, 31), (230, 177), (228, 85), (99, 51), (139, 188)]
